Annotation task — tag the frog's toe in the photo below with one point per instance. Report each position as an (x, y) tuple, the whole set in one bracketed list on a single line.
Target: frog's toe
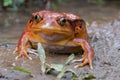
[(32, 51), (30, 58), (16, 49), (81, 64), (77, 60), (18, 56), (23, 54), (84, 62)]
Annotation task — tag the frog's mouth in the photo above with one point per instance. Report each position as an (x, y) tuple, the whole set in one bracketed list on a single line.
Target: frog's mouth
[(55, 35)]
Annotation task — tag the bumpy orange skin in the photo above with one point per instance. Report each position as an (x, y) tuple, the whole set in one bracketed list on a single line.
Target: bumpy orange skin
[(65, 32)]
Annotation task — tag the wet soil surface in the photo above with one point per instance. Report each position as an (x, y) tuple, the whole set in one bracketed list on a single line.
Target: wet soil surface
[(104, 32)]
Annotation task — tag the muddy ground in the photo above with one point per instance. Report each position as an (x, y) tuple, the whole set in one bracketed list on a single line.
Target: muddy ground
[(103, 29)]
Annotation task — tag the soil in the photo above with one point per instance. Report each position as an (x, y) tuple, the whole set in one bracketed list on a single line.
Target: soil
[(103, 30)]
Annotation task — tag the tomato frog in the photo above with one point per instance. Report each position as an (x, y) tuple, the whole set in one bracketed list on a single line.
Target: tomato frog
[(58, 32)]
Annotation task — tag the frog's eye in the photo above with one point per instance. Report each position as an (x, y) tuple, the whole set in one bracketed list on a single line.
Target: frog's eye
[(62, 21), (36, 18)]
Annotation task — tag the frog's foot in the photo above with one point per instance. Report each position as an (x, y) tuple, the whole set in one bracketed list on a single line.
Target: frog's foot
[(21, 53), (84, 61), (26, 54)]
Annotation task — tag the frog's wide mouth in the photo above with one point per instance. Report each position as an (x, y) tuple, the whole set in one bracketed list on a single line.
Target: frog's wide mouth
[(52, 30), (52, 38), (56, 31), (55, 35)]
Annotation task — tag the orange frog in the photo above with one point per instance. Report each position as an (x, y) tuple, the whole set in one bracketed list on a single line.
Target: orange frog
[(58, 32)]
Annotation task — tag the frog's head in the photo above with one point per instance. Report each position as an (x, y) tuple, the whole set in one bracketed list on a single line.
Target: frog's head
[(57, 24)]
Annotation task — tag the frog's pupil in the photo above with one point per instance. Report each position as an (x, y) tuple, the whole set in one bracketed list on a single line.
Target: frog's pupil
[(63, 20), (36, 17)]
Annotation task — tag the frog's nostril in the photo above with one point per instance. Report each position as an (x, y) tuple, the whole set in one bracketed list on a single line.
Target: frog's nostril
[(80, 26), (30, 21)]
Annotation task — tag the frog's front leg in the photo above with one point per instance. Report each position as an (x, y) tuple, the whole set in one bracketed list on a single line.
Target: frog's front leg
[(88, 53), (23, 43)]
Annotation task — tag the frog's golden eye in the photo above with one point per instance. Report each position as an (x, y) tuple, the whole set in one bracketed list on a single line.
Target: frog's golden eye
[(36, 18), (62, 21)]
